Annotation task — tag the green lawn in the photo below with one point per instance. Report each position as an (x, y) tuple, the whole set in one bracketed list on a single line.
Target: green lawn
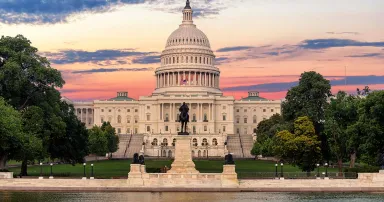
[(120, 168)]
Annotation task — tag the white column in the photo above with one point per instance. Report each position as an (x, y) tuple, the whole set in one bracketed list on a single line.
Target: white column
[(213, 112), (162, 111), (206, 79), (81, 115), (189, 78), (195, 78)]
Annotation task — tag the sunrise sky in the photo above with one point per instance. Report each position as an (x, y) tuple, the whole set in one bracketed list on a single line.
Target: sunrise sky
[(104, 46)]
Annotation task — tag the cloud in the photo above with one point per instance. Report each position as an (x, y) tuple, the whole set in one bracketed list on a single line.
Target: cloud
[(335, 43), (353, 33), (335, 81), (102, 70), (234, 48), (58, 11), (100, 57), (366, 55), (147, 59)]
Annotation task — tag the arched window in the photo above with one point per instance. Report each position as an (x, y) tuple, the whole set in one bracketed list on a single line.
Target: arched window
[(169, 154), (194, 141), (165, 142), (205, 142), (154, 142), (119, 119), (214, 141), (199, 153)]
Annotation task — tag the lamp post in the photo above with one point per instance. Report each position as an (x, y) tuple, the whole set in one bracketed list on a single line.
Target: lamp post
[(276, 171), (51, 176), (326, 170), (84, 176), (41, 171), (92, 172), (318, 171), (282, 173)]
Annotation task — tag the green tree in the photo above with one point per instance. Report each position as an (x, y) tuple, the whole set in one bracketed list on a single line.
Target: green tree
[(113, 139), (264, 149), (98, 142), (341, 113), (300, 148), (268, 128), (309, 98), (11, 132), (369, 129)]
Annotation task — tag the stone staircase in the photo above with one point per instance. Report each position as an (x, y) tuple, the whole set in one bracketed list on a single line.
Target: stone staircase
[(247, 145), (234, 146), (134, 145), (123, 144)]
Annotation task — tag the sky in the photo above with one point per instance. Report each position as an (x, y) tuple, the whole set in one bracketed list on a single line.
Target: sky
[(105, 46)]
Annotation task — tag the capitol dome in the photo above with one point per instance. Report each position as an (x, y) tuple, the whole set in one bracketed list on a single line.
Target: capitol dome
[(187, 62)]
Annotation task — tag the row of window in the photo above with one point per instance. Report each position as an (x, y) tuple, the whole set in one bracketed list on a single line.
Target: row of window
[(102, 120), (246, 120), (119, 110), (245, 130), (204, 142), (187, 41), (245, 110), (187, 59)]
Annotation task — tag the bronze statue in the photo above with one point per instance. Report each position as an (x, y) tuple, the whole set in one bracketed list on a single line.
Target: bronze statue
[(141, 160), (184, 117), (135, 159), (229, 159)]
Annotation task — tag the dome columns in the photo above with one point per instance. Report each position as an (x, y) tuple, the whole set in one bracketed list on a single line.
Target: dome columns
[(188, 78)]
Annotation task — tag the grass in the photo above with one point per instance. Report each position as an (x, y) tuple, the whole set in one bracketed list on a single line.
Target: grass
[(120, 168)]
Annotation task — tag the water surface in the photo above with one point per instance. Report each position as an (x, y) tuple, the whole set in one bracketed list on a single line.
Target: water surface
[(187, 197)]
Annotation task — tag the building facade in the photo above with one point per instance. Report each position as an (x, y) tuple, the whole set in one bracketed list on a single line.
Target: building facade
[(187, 73)]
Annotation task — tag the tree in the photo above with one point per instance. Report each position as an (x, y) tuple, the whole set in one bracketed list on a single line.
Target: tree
[(369, 128), (98, 142), (341, 113), (113, 139), (265, 148), (309, 98), (300, 148), (11, 134), (268, 128)]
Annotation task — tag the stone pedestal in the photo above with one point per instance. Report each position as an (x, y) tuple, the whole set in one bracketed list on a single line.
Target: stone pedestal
[(83, 178), (40, 178), (229, 176), (183, 157), (135, 176), (50, 177), (381, 171)]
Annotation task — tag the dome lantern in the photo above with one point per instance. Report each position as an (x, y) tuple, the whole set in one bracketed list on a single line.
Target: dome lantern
[(187, 14)]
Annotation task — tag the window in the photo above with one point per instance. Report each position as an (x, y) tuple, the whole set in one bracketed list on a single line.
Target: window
[(254, 119), (119, 130), (102, 110), (205, 142), (245, 120), (194, 129), (205, 117), (109, 119), (136, 110), (237, 130), (135, 120), (264, 110), (166, 128), (224, 107), (245, 131), (165, 142), (166, 117), (254, 110), (205, 128), (237, 120), (148, 107), (154, 142), (214, 141), (271, 110), (128, 131), (224, 128), (128, 110), (254, 130), (102, 120), (148, 129), (110, 110), (119, 119), (118, 110), (128, 119), (135, 130), (148, 117), (194, 142), (245, 110), (224, 117), (237, 110), (194, 117)]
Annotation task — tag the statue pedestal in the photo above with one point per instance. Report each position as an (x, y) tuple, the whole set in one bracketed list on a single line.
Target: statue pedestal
[(183, 157), (182, 133)]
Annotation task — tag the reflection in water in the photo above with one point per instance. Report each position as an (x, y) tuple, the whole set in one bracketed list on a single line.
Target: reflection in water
[(185, 197)]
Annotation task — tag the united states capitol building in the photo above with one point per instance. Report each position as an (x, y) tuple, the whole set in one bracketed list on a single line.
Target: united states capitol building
[(218, 124)]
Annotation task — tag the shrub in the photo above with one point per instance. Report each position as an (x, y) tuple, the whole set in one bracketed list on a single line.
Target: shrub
[(364, 169)]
